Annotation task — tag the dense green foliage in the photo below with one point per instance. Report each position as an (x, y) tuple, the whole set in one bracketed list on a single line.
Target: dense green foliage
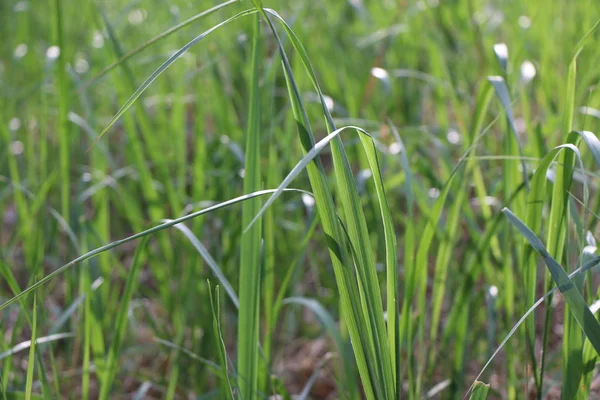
[(341, 199)]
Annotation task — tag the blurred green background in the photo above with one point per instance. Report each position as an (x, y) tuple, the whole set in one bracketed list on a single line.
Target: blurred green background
[(418, 66)]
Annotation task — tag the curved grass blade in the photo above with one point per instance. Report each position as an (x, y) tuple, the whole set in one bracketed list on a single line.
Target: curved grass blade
[(155, 39), (535, 204), (586, 267), (139, 235), (390, 238), (330, 326), (299, 167), (324, 316), (338, 251), (581, 42), (162, 69), (209, 260), (480, 391), (573, 297), (39, 341), (304, 395)]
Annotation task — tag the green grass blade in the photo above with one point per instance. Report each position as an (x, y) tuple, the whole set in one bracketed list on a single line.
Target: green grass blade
[(325, 318), (250, 259), (84, 287), (332, 229), (121, 319), (63, 93), (31, 360), (208, 259), (386, 218), (216, 310), (391, 256), (480, 391), (503, 95), (586, 267), (585, 37), (573, 297), (214, 367), (558, 240), (142, 88), (287, 279), (155, 39), (120, 242), (299, 168)]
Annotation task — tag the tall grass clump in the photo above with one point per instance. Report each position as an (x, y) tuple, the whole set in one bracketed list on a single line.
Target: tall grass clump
[(370, 200)]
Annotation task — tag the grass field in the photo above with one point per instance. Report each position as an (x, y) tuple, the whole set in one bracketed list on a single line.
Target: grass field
[(311, 200)]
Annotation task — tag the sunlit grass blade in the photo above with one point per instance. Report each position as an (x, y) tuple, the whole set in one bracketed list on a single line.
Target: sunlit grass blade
[(39, 341), (501, 52), (585, 37), (391, 265), (535, 207), (433, 175)]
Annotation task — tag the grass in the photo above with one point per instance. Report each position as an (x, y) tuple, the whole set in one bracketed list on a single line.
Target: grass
[(372, 200)]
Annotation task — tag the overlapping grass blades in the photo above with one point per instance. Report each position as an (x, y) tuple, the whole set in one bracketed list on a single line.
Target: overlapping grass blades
[(155, 39), (579, 308), (360, 297), (535, 200), (250, 260), (480, 391), (121, 321), (162, 69), (454, 229), (215, 305), (117, 243)]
